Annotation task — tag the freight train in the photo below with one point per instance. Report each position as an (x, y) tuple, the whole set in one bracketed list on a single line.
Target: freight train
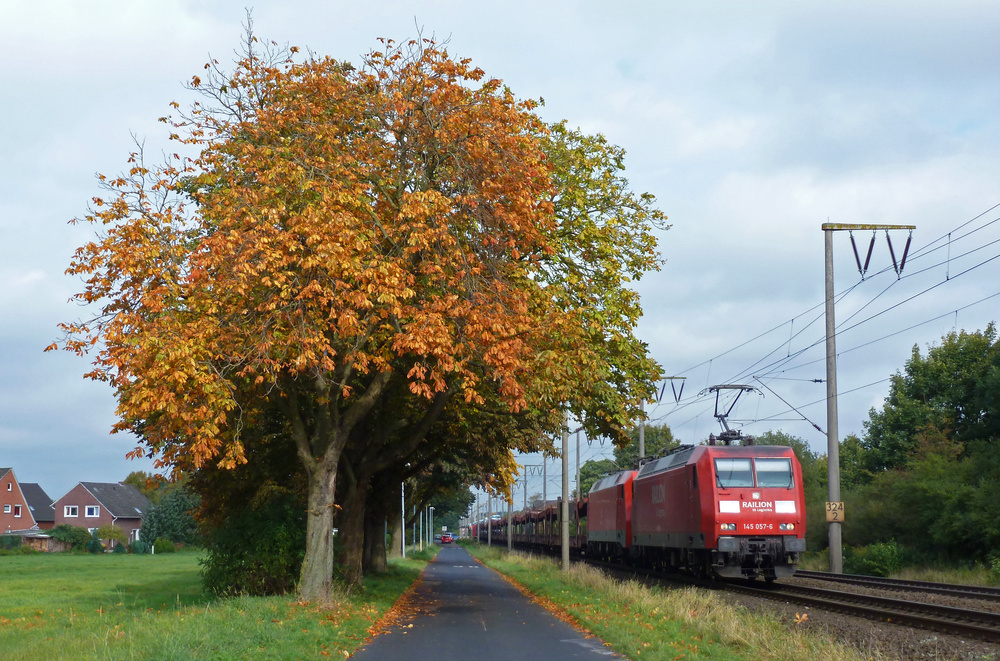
[(723, 510)]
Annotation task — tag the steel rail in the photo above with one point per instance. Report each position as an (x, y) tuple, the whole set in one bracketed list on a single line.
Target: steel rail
[(951, 589), (943, 619)]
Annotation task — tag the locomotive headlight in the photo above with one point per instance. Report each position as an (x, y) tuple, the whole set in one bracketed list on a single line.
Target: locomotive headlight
[(786, 526), (729, 526)]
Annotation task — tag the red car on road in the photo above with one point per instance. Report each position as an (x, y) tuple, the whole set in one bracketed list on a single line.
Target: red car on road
[(446, 538)]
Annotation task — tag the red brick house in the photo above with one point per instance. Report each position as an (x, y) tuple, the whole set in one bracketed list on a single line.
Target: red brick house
[(23, 506), (93, 504)]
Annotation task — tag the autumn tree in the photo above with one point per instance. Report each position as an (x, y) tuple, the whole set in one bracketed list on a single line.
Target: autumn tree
[(346, 231)]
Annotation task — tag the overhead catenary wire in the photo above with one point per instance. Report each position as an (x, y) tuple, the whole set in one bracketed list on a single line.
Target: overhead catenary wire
[(782, 366)]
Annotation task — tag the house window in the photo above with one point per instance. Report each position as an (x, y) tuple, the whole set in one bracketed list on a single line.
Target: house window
[(6, 509), (71, 510), (17, 511), (10, 486), (93, 511)]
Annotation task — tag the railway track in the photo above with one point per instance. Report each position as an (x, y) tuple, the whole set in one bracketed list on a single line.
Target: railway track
[(942, 619), (964, 591), (980, 625)]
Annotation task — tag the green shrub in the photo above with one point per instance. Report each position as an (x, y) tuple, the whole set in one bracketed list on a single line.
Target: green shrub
[(10, 542), (163, 545), (77, 538), (120, 548), (258, 551), (993, 575), (882, 559), (95, 545), (111, 533), (138, 546)]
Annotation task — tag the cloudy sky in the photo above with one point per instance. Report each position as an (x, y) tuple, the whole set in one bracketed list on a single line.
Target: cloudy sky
[(752, 124)]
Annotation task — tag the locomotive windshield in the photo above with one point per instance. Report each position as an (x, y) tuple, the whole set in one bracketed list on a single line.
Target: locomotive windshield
[(774, 472), (733, 473)]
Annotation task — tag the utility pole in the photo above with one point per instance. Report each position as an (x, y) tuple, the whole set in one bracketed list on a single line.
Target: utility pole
[(489, 519), (578, 494), (564, 514), (642, 430), (510, 521), (834, 506), (402, 519)]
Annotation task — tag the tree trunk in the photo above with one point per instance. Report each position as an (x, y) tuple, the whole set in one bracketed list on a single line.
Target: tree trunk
[(316, 579), (395, 550), (352, 531), (375, 560)]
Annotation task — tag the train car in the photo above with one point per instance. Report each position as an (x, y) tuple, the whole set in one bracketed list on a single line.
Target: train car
[(609, 516), (731, 511)]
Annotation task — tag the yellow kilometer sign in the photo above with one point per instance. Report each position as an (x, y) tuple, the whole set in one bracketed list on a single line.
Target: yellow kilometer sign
[(834, 512)]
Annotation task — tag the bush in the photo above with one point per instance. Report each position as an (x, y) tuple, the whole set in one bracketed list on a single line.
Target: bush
[(10, 542), (882, 559), (95, 545), (139, 547), (258, 551), (120, 548), (163, 545), (993, 575), (111, 533), (77, 538)]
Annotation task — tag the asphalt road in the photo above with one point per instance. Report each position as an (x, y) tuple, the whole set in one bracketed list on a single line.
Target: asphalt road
[(464, 610)]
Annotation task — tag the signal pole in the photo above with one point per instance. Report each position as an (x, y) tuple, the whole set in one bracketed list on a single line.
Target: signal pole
[(834, 506)]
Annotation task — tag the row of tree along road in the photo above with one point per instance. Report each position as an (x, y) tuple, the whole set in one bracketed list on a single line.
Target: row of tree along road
[(352, 276)]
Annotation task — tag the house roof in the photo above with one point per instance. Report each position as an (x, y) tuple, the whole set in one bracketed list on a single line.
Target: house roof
[(4, 471), (38, 502), (122, 500)]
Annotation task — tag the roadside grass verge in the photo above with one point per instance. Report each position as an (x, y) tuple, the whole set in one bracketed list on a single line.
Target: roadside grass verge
[(109, 606), (641, 622)]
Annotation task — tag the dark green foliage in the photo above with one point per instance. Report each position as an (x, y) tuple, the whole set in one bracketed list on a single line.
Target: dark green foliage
[(173, 517), (10, 542), (120, 548), (163, 545), (882, 559), (77, 538), (927, 472), (258, 551), (955, 388), (139, 547)]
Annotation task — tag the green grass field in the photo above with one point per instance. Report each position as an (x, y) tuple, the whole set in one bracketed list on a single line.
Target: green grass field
[(69, 606)]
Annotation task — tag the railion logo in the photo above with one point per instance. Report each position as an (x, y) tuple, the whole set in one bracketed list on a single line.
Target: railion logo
[(758, 505), (755, 495)]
